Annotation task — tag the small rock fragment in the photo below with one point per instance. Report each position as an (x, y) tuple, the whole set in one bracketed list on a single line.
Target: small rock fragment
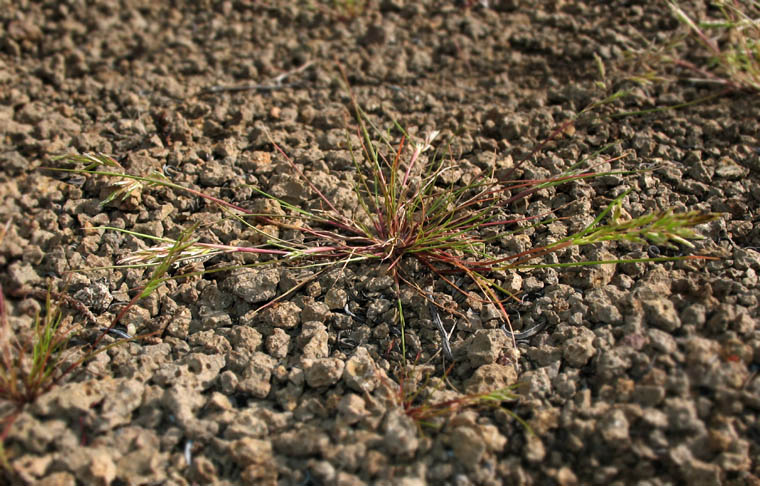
[(214, 319), (315, 311), (468, 446), (728, 169), (314, 340), (661, 313), (256, 458), (143, 465), (578, 350), (323, 371), (359, 373), (245, 337), (21, 274), (400, 434), (202, 470), (253, 286), (118, 406), (491, 377), (247, 451), (277, 343), (256, 377), (30, 467), (287, 315), (351, 408), (534, 450), (247, 423), (58, 479), (95, 296), (322, 471), (682, 415), (73, 399), (204, 367), (90, 465), (566, 477), (694, 471), (307, 441), (486, 346), (614, 428), (336, 299)]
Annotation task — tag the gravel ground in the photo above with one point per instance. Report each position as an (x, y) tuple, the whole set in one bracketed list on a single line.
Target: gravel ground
[(645, 374)]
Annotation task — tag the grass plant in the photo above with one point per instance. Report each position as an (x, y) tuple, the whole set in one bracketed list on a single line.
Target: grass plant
[(728, 43), (732, 42), (406, 212), (31, 364)]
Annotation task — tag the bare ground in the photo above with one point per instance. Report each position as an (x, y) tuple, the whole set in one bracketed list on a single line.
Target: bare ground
[(645, 375)]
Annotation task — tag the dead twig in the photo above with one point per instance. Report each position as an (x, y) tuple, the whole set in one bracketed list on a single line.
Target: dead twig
[(442, 330), (272, 84), (525, 335)]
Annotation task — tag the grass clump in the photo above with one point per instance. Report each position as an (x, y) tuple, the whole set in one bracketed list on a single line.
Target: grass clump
[(31, 364), (29, 367), (418, 223), (407, 213)]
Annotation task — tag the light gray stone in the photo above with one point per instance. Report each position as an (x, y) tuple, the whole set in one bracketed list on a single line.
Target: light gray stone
[(322, 371), (256, 377), (360, 373), (661, 313), (400, 434), (253, 286), (485, 346), (468, 446), (579, 350)]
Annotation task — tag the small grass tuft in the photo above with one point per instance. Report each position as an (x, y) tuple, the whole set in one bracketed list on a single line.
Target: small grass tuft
[(408, 210), (416, 398), (724, 51), (430, 401), (732, 42), (33, 362)]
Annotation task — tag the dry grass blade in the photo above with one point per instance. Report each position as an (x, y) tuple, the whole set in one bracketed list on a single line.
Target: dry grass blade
[(726, 48), (416, 395)]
